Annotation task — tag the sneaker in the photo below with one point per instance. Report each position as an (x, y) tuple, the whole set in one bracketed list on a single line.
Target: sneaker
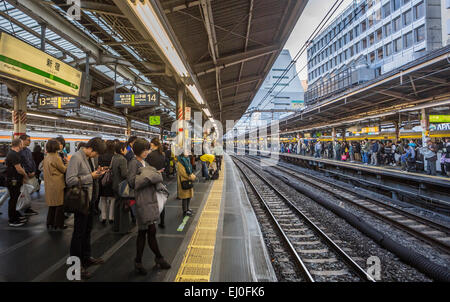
[(23, 219), (16, 223), (29, 212)]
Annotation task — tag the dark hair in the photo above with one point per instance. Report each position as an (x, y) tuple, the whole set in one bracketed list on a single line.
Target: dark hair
[(16, 142), (37, 148), (97, 145), (52, 146), (110, 146), (24, 137), (61, 140), (140, 145), (155, 141), (118, 147), (81, 145), (131, 140)]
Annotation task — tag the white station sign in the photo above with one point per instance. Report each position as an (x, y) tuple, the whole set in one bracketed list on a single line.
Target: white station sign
[(25, 63)]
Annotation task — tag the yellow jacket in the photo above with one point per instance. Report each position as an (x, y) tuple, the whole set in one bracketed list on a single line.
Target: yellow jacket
[(207, 157)]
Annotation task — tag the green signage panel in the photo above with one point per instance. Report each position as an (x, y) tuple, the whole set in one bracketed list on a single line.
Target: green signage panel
[(439, 118), (154, 120), (136, 99)]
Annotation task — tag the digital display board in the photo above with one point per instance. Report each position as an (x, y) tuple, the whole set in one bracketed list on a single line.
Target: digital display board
[(136, 99), (27, 64), (58, 102)]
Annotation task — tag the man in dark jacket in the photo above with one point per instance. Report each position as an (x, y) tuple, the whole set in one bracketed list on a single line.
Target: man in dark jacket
[(374, 158), (28, 165)]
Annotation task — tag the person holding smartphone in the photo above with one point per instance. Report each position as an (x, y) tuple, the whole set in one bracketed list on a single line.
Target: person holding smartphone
[(82, 168)]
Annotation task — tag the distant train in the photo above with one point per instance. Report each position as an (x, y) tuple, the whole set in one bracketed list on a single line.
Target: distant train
[(40, 138)]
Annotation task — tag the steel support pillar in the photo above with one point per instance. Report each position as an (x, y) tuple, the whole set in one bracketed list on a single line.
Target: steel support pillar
[(180, 117), (19, 115), (424, 122), (128, 131)]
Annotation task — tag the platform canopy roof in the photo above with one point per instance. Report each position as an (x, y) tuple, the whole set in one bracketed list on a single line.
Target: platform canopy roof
[(423, 83), (227, 47)]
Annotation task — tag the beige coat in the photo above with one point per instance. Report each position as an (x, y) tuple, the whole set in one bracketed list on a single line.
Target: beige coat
[(182, 176), (54, 182)]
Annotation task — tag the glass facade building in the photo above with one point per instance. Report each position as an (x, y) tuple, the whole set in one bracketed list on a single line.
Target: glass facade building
[(380, 35)]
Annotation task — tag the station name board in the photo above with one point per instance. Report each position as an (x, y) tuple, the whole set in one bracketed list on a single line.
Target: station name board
[(58, 102), (136, 99), (24, 63), (440, 127), (439, 118)]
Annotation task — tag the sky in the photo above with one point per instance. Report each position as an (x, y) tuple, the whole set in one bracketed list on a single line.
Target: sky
[(314, 12)]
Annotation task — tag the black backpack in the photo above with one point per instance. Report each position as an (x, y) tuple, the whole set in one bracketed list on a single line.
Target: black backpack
[(215, 175), (3, 175)]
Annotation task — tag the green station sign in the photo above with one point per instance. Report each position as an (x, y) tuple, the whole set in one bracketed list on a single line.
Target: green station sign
[(439, 118), (24, 63), (154, 120)]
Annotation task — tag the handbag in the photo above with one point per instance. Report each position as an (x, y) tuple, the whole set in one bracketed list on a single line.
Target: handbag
[(76, 199), (186, 184), (107, 177), (125, 191)]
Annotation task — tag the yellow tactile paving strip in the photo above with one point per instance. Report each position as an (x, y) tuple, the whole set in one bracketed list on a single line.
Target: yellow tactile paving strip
[(198, 259)]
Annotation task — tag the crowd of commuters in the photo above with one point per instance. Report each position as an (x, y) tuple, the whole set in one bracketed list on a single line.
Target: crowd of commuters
[(409, 155), (100, 172)]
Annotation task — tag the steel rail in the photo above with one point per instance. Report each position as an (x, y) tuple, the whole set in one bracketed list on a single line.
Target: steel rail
[(310, 179), (347, 259)]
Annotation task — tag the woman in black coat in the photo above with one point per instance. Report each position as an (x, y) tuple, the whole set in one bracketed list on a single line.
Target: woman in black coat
[(107, 199), (119, 174), (157, 159)]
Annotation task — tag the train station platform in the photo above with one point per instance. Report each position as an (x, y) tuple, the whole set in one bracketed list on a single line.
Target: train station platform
[(220, 242)]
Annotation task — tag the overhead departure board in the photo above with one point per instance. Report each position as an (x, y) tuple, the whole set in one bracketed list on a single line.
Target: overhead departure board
[(136, 99), (24, 63), (58, 102)]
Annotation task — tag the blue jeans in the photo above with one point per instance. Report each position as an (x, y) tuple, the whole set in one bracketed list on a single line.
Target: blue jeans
[(205, 173), (317, 155), (365, 157)]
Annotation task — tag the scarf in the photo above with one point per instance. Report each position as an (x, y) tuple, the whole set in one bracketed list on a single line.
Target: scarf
[(186, 164)]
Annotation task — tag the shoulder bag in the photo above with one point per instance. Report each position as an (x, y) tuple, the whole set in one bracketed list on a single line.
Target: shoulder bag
[(76, 199), (125, 191), (107, 178), (186, 184)]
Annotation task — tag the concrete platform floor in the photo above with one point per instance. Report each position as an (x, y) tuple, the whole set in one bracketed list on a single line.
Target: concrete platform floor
[(32, 253)]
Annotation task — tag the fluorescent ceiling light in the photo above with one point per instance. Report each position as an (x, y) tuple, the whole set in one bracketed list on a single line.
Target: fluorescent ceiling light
[(150, 19), (78, 121), (196, 94), (112, 126), (43, 116)]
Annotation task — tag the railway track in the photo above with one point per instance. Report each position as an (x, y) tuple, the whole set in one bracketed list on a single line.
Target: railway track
[(436, 234), (317, 256)]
